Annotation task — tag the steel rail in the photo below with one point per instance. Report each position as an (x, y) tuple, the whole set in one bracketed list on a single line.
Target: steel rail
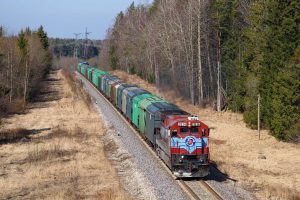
[(210, 190), (190, 190)]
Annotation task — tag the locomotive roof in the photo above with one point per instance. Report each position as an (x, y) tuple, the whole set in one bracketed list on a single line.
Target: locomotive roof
[(172, 119), (163, 106), (150, 100)]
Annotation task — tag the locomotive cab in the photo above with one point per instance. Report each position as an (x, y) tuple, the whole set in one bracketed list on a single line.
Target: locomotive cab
[(187, 140)]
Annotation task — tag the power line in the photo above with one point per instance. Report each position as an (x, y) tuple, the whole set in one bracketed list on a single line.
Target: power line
[(76, 44), (86, 34), (86, 43)]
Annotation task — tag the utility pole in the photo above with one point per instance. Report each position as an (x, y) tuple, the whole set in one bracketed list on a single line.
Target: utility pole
[(258, 115), (200, 70), (76, 45), (219, 66), (86, 43), (219, 78)]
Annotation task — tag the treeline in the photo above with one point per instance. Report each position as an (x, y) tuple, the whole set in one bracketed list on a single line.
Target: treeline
[(219, 52), (24, 61), (71, 47)]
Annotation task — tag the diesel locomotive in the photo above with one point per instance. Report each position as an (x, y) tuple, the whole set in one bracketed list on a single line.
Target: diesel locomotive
[(179, 138)]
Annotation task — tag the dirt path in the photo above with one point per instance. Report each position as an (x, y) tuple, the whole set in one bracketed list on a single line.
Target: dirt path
[(268, 168), (63, 157)]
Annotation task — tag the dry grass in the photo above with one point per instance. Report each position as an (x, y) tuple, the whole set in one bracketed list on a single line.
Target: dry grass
[(267, 167), (48, 152), (77, 89), (7, 108), (65, 157)]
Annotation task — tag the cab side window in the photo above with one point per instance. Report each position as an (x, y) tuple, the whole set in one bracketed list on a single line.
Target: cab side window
[(174, 133), (162, 132)]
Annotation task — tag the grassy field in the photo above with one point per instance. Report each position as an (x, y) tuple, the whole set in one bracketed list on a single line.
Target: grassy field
[(54, 150), (268, 168)]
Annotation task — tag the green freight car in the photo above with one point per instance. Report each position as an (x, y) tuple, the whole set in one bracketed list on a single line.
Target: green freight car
[(136, 107), (96, 75), (142, 110), (89, 72), (83, 69)]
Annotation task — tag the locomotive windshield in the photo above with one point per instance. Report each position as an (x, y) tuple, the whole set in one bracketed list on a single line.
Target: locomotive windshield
[(186, 130), (194, 130)]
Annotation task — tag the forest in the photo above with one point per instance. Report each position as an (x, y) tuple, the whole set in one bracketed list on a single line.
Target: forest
[(81, 48), (220, 53), (25, 59)]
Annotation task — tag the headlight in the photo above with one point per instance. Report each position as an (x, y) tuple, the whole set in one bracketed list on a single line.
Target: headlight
[(181, 158)]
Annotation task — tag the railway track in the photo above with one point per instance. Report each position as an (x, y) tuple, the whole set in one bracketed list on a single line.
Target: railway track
[(191, 188), (210, 190), (185, 185)]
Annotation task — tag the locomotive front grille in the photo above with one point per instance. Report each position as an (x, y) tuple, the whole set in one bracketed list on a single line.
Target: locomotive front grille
[(179, 159)]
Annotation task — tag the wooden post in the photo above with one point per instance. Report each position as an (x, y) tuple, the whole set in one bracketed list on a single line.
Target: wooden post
[(258, 115)]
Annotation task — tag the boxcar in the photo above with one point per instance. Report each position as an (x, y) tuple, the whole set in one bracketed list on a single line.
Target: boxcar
[(136, 107), (124, 98), (102, 78), (117, 86), (96, 77), (78, 67), (142, 111), (89, 72), (130, 95), (113, 90), (110, 80), (83, 68), (120, 92)]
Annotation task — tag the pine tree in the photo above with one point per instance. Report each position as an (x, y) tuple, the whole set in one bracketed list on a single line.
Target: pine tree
[(23, 47), (255, 39), (229, 18), (113, 58), (273, 41), (43, 37), (1, 31), (281, 88)]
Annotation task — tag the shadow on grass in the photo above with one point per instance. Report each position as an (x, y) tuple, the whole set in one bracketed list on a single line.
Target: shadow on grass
[(47, 92), (18, 135), (217, 175)]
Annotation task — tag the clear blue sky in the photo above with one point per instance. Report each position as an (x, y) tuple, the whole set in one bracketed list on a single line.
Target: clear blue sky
[(62, 18)]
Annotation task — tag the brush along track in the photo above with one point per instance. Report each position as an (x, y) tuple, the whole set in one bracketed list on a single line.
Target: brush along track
[(190, 191)]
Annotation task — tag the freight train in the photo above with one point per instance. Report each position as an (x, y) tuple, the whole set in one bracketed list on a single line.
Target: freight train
[(179, 138)]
